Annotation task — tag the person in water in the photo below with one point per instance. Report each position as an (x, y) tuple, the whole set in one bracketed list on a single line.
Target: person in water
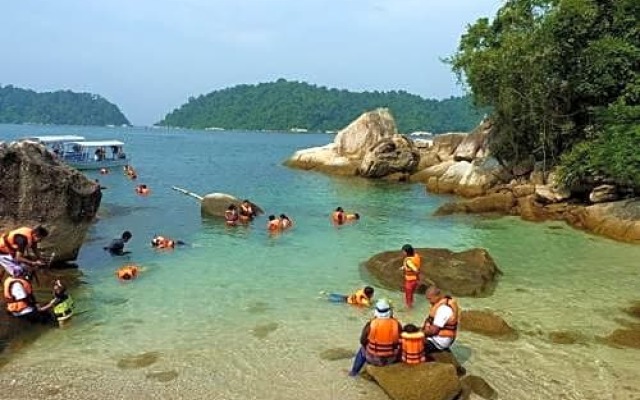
[(362, 297), (351, 217), (162, 242), (285, 222), (128, 272), (337, 217), (247, 211), (61, 305), (273, 225), (231, 215), (130, 172), (104, 171), (143, 190), (116, 247)]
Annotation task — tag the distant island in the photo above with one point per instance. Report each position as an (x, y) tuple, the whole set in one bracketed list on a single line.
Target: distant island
[(64, 107), (299, 107)]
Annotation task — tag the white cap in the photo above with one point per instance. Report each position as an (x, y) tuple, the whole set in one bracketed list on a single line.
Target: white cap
[(383, 309)]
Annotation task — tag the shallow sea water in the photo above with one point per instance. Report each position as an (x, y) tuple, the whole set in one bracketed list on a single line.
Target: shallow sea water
[(235, 313)]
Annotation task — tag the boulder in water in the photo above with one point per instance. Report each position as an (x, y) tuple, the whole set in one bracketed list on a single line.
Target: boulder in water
[(425, 381), (38, 189), (487, 324)]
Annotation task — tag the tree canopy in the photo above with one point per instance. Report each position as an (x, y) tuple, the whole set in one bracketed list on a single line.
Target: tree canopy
[(19, 106), (562, 78), (285, 105)]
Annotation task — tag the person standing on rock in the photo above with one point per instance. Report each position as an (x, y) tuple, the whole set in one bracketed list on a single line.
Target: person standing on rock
[(441, 326), (411, 268), (380, 339), (16, 244)]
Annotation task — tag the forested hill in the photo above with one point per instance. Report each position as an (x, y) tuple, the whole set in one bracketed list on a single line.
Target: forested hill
[(285, 105), (19, 106)]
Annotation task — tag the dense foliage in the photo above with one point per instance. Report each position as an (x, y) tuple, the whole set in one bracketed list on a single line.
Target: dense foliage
[(19, 106), (284, 105), (558, 74)]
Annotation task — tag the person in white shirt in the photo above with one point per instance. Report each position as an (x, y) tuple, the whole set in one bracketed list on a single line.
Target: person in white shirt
[(441, 326)]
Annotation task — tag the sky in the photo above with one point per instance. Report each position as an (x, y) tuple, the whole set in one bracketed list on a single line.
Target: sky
[(149, 56)]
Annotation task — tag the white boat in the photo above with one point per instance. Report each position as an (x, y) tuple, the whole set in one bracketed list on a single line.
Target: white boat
[(55, 143), (95, 154)]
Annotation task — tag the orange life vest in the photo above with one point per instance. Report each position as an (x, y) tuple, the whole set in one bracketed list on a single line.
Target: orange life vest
[(164, 243), (384, 337), (13, 305), (450, 329), (274, 225), (127, 272), (338, 217), (7, 241), (359, 298), (413, 347), (409, 274)]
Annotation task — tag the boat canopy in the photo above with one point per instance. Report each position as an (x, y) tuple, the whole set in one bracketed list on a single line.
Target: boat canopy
[(55, 138), (102, 143)]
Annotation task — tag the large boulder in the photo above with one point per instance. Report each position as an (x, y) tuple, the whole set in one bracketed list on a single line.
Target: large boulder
[(474, 144), (464, 178), (426, 381), (370, 147), (37, 189), (494, 202), (487, 324), (364, 133), (467, 273), (215, 204), (618, 220), (389, 156)]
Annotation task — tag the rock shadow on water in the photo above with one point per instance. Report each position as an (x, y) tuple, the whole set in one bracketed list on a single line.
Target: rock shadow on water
[(162, 376), (262, 331), (567, 337), (337, 353), (111, 210), (139, 360)]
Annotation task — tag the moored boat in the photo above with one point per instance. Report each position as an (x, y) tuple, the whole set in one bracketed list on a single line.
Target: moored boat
[(85, 155)]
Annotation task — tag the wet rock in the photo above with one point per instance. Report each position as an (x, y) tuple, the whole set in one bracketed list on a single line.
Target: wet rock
[(447, 357), (162, 376), (479, 386), (566, 337), (624, 338), (337, 353), (487, 324), (467, 273), (495, 202), (618, 220), (262, 331), (37, 189), (139, 360), (634, 310), (426, 381)]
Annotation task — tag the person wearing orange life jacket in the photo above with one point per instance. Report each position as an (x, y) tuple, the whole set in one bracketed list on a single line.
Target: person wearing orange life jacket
[(411, 268), (362, 297), (247, 212), (441, 325), (231, 215), (412, 341), (16, 244), (128, 272), (161, 242), (380, 339), (273, 225), (20, 301), (337, 217), (285, 222)]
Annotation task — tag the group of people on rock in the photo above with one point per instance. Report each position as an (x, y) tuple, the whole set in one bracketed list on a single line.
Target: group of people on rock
[(20, 258)]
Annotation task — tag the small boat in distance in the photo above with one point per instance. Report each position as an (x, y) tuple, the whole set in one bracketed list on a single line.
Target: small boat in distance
[(95, 154)]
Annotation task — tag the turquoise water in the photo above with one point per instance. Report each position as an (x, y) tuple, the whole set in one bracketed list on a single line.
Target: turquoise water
[(235, 314)]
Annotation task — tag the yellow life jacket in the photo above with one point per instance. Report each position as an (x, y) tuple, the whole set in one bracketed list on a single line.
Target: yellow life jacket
[(64, 310), (359, 298)]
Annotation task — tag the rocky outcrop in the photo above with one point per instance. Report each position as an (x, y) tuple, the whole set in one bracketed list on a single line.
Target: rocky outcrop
[(487, 324), (370, 147), (426, 381), (604, 193), (215, 204), (38, 189), (467, 273), (619, 220)]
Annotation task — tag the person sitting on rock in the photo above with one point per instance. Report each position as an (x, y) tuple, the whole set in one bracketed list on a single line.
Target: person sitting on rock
[(412, 340), (20, 301), (61, 305), (247, 212), (361, 297), (116, 247), (16, 245), (441, 325), (380, 339)]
